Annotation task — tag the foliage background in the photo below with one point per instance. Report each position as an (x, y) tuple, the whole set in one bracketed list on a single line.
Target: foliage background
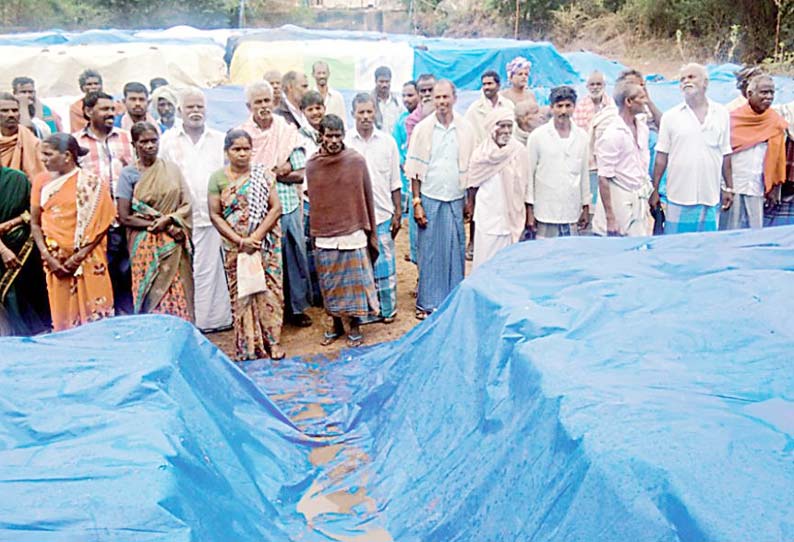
[(739, 30)]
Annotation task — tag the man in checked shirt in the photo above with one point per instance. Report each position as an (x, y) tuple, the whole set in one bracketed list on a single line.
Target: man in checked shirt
[(109, 150)]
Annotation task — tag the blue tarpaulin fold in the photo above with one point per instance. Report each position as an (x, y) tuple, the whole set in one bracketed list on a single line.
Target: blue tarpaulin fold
[(578, 389)]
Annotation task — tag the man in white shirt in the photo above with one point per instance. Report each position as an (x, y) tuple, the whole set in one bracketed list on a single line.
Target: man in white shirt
[(758, 164), (437, 164), (558, 192), (623, 157), (694, 148), (334, 102), (489, 100), (198, 151), (388, 107), (383, 164)]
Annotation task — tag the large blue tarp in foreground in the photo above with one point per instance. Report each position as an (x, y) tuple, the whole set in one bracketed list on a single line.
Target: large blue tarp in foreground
[(138, 429), (577, 389)]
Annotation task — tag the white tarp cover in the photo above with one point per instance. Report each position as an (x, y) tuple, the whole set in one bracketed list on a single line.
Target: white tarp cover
[(352, 62), (56, 68)]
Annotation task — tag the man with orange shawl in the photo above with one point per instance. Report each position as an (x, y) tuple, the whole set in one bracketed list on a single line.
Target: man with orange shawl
[(499, 171), (19, 147), (758, 139), (71, 211), (278, 147)]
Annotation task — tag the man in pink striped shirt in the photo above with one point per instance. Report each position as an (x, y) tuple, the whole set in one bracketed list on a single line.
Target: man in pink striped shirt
[(623, 157)]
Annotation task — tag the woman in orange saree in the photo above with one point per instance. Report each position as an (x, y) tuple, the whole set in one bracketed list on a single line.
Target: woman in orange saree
[(71, 211), (154, 206)]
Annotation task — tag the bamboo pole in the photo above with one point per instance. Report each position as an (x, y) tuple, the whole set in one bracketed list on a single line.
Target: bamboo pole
[(518, 14)]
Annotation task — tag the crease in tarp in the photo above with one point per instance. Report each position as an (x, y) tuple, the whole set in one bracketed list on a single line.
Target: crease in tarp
[(576, 389)]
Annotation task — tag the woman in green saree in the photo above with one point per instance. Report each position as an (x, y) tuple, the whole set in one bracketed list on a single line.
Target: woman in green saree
[(24, 307), (244, 207), (154, 206)]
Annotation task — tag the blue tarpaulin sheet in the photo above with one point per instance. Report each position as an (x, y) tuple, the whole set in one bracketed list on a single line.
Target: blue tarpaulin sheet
[(585, 63), (103, 37), (463, 61), (578, 389)]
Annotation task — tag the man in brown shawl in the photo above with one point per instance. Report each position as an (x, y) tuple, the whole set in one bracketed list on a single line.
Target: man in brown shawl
[(343, 225)]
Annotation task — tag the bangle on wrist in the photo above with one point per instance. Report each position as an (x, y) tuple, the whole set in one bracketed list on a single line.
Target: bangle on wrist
[(417, 201), (240, 244), (728, 189)]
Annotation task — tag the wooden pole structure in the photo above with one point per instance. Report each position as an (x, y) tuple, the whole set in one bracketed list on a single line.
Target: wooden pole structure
[(779, 5), (518, 14)]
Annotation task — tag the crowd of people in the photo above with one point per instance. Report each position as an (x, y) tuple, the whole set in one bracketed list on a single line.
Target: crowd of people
[(140, 207)]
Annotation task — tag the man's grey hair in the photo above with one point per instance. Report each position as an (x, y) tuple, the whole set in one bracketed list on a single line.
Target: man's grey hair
[(752, 86), (598, 74), (321, 63), (695, 66), (522, 108), (191, 92), (8, 97), (272, 74), (447, 82), (362, 98), (257, 86), (288, 81), (624, 90)]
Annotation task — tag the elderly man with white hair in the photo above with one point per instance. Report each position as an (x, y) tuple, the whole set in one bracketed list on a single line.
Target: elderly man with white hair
[(587, 107), (499, 171), (694, 148), (527, 117), (198, 151), (278, 146), (758, 139)]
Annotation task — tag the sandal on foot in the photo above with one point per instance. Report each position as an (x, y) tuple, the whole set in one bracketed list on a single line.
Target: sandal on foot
[(277, 353), (329, 337), (420, 314), (389, 320), (354, 341)]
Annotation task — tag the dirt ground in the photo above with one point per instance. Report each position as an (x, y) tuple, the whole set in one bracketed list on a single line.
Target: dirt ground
[(306, 341)]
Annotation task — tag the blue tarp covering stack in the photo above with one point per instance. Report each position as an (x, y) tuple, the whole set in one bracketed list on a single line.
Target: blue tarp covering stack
[(579, 389), (464, 61)]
